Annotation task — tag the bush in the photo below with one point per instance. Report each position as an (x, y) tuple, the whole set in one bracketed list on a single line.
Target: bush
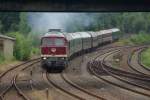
[(22, 49), (141, 38), (35, 51), (26, 49)]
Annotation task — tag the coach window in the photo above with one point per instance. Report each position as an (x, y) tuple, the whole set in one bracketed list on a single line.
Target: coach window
[(59, 42)]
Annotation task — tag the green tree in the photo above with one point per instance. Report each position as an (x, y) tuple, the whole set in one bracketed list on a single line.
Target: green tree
[(1, 27), (8, 19), (24, 28)]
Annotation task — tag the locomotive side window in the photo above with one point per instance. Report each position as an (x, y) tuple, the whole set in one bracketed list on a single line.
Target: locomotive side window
[(59, 42), (47, 42)]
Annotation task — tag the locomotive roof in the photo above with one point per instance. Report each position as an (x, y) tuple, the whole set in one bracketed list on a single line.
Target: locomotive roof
[(54, 34)]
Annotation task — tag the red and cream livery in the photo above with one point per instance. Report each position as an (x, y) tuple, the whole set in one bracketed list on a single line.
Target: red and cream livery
[(54, 50), (53, 45)]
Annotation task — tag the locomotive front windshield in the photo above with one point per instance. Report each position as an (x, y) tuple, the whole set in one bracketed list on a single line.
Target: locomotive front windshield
[(47, 42), (59, 42), (53, 42)]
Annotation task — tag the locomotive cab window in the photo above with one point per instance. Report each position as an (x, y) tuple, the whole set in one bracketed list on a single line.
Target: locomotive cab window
[(47, 42), (59, 42)]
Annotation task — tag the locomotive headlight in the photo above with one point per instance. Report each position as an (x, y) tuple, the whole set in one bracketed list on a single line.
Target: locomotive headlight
[(44, 58)]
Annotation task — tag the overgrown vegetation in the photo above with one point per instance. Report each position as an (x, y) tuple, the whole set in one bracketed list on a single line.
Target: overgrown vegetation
[(146, 57), (22, 49), (141, 38), (131, 23), (25, 46), (15, 24)]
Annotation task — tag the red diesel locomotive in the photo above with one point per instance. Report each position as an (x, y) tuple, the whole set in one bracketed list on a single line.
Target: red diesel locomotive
[(54, 51)]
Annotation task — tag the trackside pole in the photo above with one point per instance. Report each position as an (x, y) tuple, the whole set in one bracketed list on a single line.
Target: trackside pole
[(31, 84), (31, 73), (47, 93), (31, 81), (82, 58)]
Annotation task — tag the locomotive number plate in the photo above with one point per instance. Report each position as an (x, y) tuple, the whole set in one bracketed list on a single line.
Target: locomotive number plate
[(53, 49)]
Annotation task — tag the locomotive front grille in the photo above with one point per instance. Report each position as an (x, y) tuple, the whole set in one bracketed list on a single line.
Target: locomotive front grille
[(52, 59), (53, 63)]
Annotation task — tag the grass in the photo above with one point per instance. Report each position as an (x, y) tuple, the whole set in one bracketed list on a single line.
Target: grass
[(7, 64), (40, 95), (145, 57)]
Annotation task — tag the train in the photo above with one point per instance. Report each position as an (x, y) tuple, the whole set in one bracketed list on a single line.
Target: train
[(58, 47)]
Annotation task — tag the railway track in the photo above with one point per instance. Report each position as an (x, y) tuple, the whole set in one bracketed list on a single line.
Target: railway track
[(12, 74), (139, 60), (13, 83), (80, 88), (127, 73), (72, 89), (135, 81), (88, 83), (19, 90), (124, 73), (134, 63), (104, 66), (73, 85), (62, 89), (126, 51)]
